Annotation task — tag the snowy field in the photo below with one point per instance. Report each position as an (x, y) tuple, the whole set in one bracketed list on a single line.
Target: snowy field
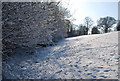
[(82, 57)]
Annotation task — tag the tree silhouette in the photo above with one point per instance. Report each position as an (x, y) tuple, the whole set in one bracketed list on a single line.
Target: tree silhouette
[(88, 22), (95, 30), (106, 23), (83, 30)]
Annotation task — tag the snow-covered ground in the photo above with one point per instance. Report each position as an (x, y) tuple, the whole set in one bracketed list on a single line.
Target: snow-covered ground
[(86, 57)]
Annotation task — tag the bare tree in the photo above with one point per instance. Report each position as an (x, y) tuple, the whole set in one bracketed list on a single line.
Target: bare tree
[(106, 23), (88, 22)]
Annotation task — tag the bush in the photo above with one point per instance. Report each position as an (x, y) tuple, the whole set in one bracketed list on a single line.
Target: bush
[(27, 24), (95, 30)]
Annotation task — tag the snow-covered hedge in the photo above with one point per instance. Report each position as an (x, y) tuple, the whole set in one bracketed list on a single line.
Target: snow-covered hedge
[(27, 24)]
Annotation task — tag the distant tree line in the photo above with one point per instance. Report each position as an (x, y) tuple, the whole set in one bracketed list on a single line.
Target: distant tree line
[(103, 26)]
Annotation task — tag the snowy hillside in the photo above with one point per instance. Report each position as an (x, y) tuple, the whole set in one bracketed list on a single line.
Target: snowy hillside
[(86, 57)]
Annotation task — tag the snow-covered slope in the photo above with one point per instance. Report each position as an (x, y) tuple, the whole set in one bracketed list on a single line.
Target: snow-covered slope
[(86, 57)]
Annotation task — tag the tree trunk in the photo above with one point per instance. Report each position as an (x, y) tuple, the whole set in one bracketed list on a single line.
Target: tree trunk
[(118, 28), (106, 30)]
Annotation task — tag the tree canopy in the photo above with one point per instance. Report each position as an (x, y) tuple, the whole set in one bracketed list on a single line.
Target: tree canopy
[(106, 23)]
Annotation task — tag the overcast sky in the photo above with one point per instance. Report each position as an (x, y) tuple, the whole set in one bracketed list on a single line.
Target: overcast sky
[(94, 9)]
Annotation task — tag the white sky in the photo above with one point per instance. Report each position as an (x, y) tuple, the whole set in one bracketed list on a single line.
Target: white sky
[(92, 8)]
